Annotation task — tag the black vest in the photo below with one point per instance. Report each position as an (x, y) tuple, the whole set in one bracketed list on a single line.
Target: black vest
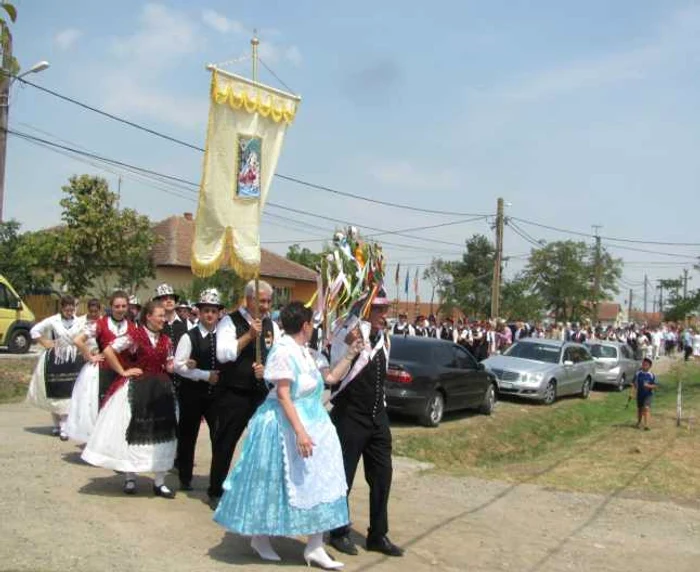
[(203, 350), (363, 397), (175, 331), (238, 375)]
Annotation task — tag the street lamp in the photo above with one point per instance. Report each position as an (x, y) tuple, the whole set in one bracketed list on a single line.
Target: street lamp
[(6, 81)]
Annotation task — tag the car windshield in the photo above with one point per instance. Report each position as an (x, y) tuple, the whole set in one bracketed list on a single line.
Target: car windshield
[(537, 352), (601, 351)]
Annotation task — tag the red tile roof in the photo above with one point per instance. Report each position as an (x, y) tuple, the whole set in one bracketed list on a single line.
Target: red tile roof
[(608, 311), (177, 234)]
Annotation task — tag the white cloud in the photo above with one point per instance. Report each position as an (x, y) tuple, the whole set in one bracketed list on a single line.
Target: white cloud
[(406, 176), (221, 23), (66, 39), (293, 55), (163, 37), (274, 54)]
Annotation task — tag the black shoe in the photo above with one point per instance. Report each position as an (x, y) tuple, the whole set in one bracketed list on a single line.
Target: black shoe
[(129, 487), (214, 502), (55, 431), (384, 545), (185, 486), (163, 491), (343, 544)]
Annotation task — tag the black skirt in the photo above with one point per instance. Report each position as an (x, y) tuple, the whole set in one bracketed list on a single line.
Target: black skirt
[(152, 404), (59, 378)]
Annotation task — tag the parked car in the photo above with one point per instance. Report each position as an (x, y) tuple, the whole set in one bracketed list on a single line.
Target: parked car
[(543, 369), (16, 319), (615, 363), (427, 377)]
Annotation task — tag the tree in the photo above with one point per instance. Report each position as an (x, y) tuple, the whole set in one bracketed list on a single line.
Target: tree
[(225, 280), (99, 239), (304, 256), (519, 301), (27, 258), (680, 308), (562, 273), (439, 277)]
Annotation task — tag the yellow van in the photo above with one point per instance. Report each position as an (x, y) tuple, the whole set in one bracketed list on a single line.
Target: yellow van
[(16, 319)]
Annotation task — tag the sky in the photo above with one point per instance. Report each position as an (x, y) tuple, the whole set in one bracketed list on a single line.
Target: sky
[(576, 113)]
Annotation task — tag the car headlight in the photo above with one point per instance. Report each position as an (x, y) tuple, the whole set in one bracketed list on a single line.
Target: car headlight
[(532, 377)]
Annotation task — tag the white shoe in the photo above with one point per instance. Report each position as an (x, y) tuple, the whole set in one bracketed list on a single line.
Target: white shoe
[(320, 557), (261, 545)]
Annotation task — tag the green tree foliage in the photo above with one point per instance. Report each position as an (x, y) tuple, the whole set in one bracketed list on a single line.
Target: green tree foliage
[(225, 280), (466, 284), (27, 258), (438, 274), (304, 256), (100, 239), (562, 274), (519, 300)]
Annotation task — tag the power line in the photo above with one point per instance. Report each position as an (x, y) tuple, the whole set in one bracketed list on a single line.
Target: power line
[(609, 238), (289, 178)]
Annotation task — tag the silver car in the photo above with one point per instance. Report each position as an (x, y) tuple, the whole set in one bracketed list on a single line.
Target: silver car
[(543, 369), (615, 363)]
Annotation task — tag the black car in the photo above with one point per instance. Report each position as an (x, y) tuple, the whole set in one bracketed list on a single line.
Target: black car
[(427, 377)]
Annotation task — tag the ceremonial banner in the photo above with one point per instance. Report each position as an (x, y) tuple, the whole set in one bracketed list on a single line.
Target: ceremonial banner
[(247, 123)]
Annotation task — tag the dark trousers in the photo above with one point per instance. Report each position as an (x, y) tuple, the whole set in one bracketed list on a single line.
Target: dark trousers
[(687, 352), (232, 412), (372, 442), (195, 402)]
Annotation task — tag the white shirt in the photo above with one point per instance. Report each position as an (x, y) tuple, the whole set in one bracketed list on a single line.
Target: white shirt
[(227, 339), (184, 352)]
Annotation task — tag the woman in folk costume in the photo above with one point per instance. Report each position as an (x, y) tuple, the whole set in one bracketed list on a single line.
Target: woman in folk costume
[(96, 376), (136, 428), (58, 367), (289, 479)]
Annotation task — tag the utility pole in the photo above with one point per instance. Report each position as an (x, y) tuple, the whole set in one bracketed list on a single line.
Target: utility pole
[(5, 80), (685, 284), (645, 294), (629, 310), (661, 297), (496, 285), (596, 275)]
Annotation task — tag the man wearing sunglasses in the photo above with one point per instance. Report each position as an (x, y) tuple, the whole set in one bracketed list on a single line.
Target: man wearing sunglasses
[(240, 389), (195, 362)]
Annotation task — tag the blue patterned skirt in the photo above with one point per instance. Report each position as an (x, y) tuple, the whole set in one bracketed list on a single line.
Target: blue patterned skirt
[(256, 496)]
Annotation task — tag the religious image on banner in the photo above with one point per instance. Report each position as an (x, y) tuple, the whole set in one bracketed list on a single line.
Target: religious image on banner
[(245, 132), (248, 180)]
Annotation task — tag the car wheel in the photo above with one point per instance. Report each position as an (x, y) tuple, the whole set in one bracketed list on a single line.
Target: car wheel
[(622, 383), (586, 388), (550, 393), (434, 410), (19, 342), (489, 403)]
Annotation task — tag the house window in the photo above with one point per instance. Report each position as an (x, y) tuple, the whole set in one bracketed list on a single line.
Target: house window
[(282, 296)]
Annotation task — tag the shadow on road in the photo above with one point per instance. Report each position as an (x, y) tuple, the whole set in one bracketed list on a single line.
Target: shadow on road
[(234, 549), (43, 430)]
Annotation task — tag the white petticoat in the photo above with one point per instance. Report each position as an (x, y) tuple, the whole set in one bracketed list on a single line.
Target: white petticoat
[(84, 405), (36, 395), (108, 448)]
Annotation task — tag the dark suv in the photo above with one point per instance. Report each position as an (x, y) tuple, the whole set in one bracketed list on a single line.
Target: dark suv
[(427, 377)]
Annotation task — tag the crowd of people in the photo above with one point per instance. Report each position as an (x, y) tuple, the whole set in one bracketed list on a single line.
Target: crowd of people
[(133, 386), (485, 337)]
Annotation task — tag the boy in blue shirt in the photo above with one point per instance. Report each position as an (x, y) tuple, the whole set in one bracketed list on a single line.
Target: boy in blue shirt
[(644, 384)]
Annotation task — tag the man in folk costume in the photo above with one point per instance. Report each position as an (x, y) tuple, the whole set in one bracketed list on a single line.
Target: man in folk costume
[(134, 309), (360, 416), (420, 327), (52, 383), (196, 363), (239, 391), (432, 329), (402, 327), (447, 331), (174, 327), (96, 376)]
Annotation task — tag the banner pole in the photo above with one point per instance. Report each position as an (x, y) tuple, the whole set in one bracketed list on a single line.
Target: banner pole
[(254, 42)]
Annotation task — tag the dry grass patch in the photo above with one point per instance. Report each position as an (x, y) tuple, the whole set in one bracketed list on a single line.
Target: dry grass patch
[(15, 374)]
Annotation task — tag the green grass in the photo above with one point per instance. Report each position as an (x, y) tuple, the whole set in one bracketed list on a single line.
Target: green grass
[(15, 374), (584, 445)]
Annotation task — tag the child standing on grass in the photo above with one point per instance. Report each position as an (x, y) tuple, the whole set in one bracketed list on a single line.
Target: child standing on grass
[(644, 385)]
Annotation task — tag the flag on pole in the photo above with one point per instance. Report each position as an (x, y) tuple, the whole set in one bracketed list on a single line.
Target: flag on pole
[(245, 132), (415, 283), (396, 278), (405, 286)]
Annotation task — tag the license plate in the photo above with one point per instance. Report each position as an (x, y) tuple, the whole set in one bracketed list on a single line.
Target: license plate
[(506, 385)]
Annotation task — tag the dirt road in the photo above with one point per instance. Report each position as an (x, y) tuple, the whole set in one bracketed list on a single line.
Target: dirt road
[(59, 514)]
